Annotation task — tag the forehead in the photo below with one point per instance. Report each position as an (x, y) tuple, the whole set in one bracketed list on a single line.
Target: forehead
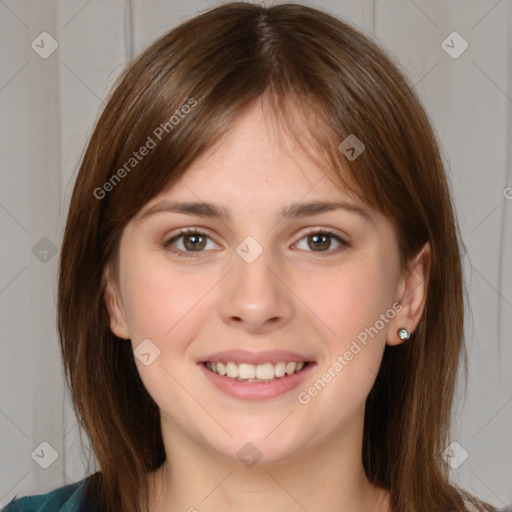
[(255, 156)]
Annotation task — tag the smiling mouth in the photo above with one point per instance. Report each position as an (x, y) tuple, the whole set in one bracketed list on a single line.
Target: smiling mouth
[(245, 372)]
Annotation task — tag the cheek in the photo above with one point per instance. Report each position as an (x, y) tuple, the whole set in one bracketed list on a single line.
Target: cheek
[(349, 300), (354, 305), (167, 307), (160, 300)]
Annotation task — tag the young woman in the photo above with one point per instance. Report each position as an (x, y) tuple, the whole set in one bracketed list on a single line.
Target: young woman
[(260, 291)]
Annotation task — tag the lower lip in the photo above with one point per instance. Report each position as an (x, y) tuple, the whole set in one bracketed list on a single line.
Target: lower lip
[(257, 390)]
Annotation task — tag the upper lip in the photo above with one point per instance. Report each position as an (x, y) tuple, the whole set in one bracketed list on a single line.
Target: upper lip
[(243, 356)]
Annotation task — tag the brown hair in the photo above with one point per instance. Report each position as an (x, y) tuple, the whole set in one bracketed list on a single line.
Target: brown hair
[(306, 63)]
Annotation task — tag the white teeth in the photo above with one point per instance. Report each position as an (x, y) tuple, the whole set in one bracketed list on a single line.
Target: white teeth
[(290, 368), (280, 369), (265, 371), (221, 369), (232, 370), (255, 373), (246, 371)]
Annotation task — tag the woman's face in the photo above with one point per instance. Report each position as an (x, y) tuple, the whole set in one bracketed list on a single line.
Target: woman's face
[(268, 278)]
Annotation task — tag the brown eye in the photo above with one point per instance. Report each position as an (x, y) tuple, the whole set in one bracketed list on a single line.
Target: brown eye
[(188, 242), (322, 241), (194, 242), (319, 242)]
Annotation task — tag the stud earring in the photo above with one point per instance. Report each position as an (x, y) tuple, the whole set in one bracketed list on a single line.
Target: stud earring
[(404, 334)]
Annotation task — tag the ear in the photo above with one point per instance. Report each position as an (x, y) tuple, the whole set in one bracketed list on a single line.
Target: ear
[(412, 295), (118, 323)]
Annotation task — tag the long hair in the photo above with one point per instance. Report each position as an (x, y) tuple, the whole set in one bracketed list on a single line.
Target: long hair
[(177, 99)]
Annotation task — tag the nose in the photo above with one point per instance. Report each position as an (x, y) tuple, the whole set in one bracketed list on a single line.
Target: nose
[(255, 296)]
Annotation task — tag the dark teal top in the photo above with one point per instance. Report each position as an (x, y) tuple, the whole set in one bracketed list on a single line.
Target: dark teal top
[(69, 498)]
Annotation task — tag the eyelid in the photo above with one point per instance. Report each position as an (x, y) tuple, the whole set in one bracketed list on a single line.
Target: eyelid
[(324, 229)]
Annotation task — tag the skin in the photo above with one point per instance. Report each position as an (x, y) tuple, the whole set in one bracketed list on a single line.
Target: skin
[(293, 297)]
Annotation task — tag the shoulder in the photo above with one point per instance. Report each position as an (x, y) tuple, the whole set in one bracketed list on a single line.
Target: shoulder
[(64, 499)]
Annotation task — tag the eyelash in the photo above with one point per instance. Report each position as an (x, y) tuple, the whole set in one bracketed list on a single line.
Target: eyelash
[(193, 231)]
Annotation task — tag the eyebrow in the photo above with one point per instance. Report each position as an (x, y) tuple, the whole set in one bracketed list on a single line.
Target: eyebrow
[(297, 210)]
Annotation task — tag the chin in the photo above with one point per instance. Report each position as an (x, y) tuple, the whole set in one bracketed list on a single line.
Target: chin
[(259, 446)]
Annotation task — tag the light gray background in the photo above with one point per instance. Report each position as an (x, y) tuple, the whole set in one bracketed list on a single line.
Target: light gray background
[(48, 108)]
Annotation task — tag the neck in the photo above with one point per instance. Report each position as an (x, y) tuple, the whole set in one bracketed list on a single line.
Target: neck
[(326, 478)]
